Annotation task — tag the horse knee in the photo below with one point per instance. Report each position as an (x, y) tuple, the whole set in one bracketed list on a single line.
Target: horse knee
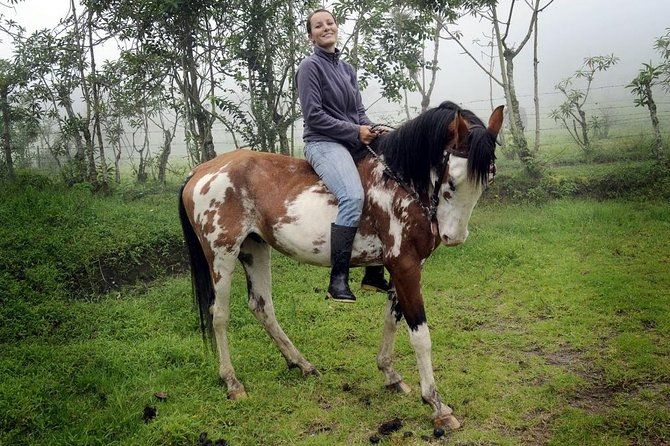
[(220, 317), (256, 304)]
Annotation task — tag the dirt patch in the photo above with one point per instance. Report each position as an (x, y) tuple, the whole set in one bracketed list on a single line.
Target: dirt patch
[(540, 432), (318, 428), (130, 266)]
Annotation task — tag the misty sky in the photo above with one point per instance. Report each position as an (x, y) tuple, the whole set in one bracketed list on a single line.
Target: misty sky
[(570, 30)]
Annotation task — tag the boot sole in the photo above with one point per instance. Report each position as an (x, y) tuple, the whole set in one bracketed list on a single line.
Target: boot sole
[(373, 288), (347, 301)]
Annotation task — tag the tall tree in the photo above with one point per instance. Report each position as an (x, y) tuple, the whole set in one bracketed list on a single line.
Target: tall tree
[(175, 33), (507, 52), (263, 63)]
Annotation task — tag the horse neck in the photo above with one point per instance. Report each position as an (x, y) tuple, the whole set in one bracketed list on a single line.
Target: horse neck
[(383, 194)]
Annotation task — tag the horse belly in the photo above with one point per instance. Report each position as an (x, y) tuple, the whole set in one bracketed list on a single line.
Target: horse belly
[(304, 232)]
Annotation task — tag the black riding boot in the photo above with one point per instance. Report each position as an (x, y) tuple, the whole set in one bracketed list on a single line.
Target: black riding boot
[(373, 280), (341, 241)]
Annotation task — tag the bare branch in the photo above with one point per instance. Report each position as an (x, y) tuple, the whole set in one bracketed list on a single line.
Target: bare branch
[(497, 81), (530, 30), (509, 20)]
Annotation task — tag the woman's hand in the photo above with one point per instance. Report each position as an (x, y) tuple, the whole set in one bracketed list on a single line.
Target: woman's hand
[(366, 135)]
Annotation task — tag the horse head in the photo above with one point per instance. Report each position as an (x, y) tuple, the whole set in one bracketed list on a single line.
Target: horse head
[(470, 155)]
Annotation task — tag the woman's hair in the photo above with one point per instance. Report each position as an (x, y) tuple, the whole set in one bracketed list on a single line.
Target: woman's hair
[(309, 19)]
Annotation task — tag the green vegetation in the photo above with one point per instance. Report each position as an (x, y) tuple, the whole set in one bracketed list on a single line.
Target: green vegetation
[(550, 325)]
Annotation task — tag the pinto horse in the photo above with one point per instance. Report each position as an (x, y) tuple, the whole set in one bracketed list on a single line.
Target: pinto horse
[(420, 188)]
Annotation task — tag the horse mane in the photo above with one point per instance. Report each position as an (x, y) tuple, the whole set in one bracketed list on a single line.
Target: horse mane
[(416, 147)]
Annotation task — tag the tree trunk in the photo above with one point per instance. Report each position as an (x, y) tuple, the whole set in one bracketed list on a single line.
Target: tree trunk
[(165, 154), (536, 94), (103, 185), (517, 125), (658, 141), (585, 129), (6, 141)]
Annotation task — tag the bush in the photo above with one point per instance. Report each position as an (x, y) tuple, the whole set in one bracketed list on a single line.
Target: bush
[(647, 180)]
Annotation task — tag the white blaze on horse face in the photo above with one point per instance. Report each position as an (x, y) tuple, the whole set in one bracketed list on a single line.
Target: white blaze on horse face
[(455, 206)]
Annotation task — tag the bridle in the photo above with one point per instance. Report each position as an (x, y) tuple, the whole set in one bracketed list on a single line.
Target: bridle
[(430, 210)]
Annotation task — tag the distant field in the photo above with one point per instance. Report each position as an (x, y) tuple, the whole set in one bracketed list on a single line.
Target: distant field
[(551, 325)]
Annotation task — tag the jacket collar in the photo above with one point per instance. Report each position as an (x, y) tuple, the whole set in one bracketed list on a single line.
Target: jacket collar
[(330, 57)]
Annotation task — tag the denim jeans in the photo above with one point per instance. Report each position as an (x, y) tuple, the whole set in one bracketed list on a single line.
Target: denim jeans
[(334, 165)]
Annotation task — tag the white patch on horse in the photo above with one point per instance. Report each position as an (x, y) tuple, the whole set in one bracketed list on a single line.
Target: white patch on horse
[(383, 197), (203, 203), (420, 340), (307, 220), (366, 249), (453, 214)]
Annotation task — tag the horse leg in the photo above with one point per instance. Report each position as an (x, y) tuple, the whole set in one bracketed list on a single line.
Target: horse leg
[(255, 258), (223, 268), (406, 277), (392, 317)]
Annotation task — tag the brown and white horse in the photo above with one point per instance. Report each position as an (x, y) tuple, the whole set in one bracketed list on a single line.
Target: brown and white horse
[(242, 204)]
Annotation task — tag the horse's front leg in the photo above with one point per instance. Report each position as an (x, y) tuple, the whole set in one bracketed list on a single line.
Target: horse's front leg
[(392, 318), (406, 276)]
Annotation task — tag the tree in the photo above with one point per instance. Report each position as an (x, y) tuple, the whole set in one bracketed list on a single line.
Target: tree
[(507, 52), (263, 63), (649, 76), (397, 57), (176, 36), (571, 112), (11, 76)]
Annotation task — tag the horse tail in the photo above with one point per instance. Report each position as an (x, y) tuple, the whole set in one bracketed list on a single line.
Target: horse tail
[(201, 277)]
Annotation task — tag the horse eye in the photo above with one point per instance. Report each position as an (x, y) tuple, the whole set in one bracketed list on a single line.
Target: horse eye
[(452, 186)]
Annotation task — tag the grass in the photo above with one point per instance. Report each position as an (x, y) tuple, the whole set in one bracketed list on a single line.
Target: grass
[(551, 325)]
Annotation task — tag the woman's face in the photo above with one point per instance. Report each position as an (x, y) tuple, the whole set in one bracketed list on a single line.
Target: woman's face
[(324, 31)]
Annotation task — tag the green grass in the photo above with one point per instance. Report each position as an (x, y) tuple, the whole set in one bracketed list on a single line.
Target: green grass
[(551, 324)]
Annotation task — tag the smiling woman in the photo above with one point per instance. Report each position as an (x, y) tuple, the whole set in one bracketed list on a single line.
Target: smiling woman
[(335, 123)]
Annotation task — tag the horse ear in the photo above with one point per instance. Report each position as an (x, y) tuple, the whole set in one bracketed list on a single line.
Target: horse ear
[(459, 127), (496, 120)]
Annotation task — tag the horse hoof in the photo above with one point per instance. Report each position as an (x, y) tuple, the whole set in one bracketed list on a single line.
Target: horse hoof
[(311, 371), (400, 387), (447, 422), (238, 394)]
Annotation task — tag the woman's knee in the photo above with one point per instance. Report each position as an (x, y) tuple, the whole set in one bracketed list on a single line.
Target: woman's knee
[(352, 204)]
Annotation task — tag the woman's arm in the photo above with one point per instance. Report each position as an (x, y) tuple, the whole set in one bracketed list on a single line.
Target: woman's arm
[(309, 93)]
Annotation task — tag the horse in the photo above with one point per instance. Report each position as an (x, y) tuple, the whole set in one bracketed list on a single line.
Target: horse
[(421, 184)]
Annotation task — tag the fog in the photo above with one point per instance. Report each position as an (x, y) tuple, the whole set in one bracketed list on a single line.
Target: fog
[(569, 31)]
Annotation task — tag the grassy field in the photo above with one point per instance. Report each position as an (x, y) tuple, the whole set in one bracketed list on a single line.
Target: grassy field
[(551, 325)]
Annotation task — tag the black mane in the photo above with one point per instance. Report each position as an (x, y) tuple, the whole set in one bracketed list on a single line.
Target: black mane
[(417, 146)]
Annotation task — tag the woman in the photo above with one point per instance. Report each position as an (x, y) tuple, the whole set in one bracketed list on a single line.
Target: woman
[(335, 121)]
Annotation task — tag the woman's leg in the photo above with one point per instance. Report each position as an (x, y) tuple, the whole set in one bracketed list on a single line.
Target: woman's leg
[(334, 165)]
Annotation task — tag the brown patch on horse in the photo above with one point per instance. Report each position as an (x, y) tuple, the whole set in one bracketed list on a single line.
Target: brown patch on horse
[(208, 185), (272, 188)]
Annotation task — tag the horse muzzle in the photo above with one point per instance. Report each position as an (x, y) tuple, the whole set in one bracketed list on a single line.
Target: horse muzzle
[(446, 240)]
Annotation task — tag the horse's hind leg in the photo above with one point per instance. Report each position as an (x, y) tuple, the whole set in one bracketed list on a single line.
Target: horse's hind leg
[(223, 267), (392, 317), (255, 258)]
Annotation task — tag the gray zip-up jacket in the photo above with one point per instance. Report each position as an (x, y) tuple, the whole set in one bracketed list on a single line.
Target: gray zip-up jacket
[(330, 99)]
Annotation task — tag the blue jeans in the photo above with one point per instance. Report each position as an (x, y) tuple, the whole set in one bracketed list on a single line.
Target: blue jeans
[(334, 165)]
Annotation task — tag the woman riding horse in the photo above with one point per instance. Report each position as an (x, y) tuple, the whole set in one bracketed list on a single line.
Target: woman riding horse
[(420, 187), (335, 122)]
